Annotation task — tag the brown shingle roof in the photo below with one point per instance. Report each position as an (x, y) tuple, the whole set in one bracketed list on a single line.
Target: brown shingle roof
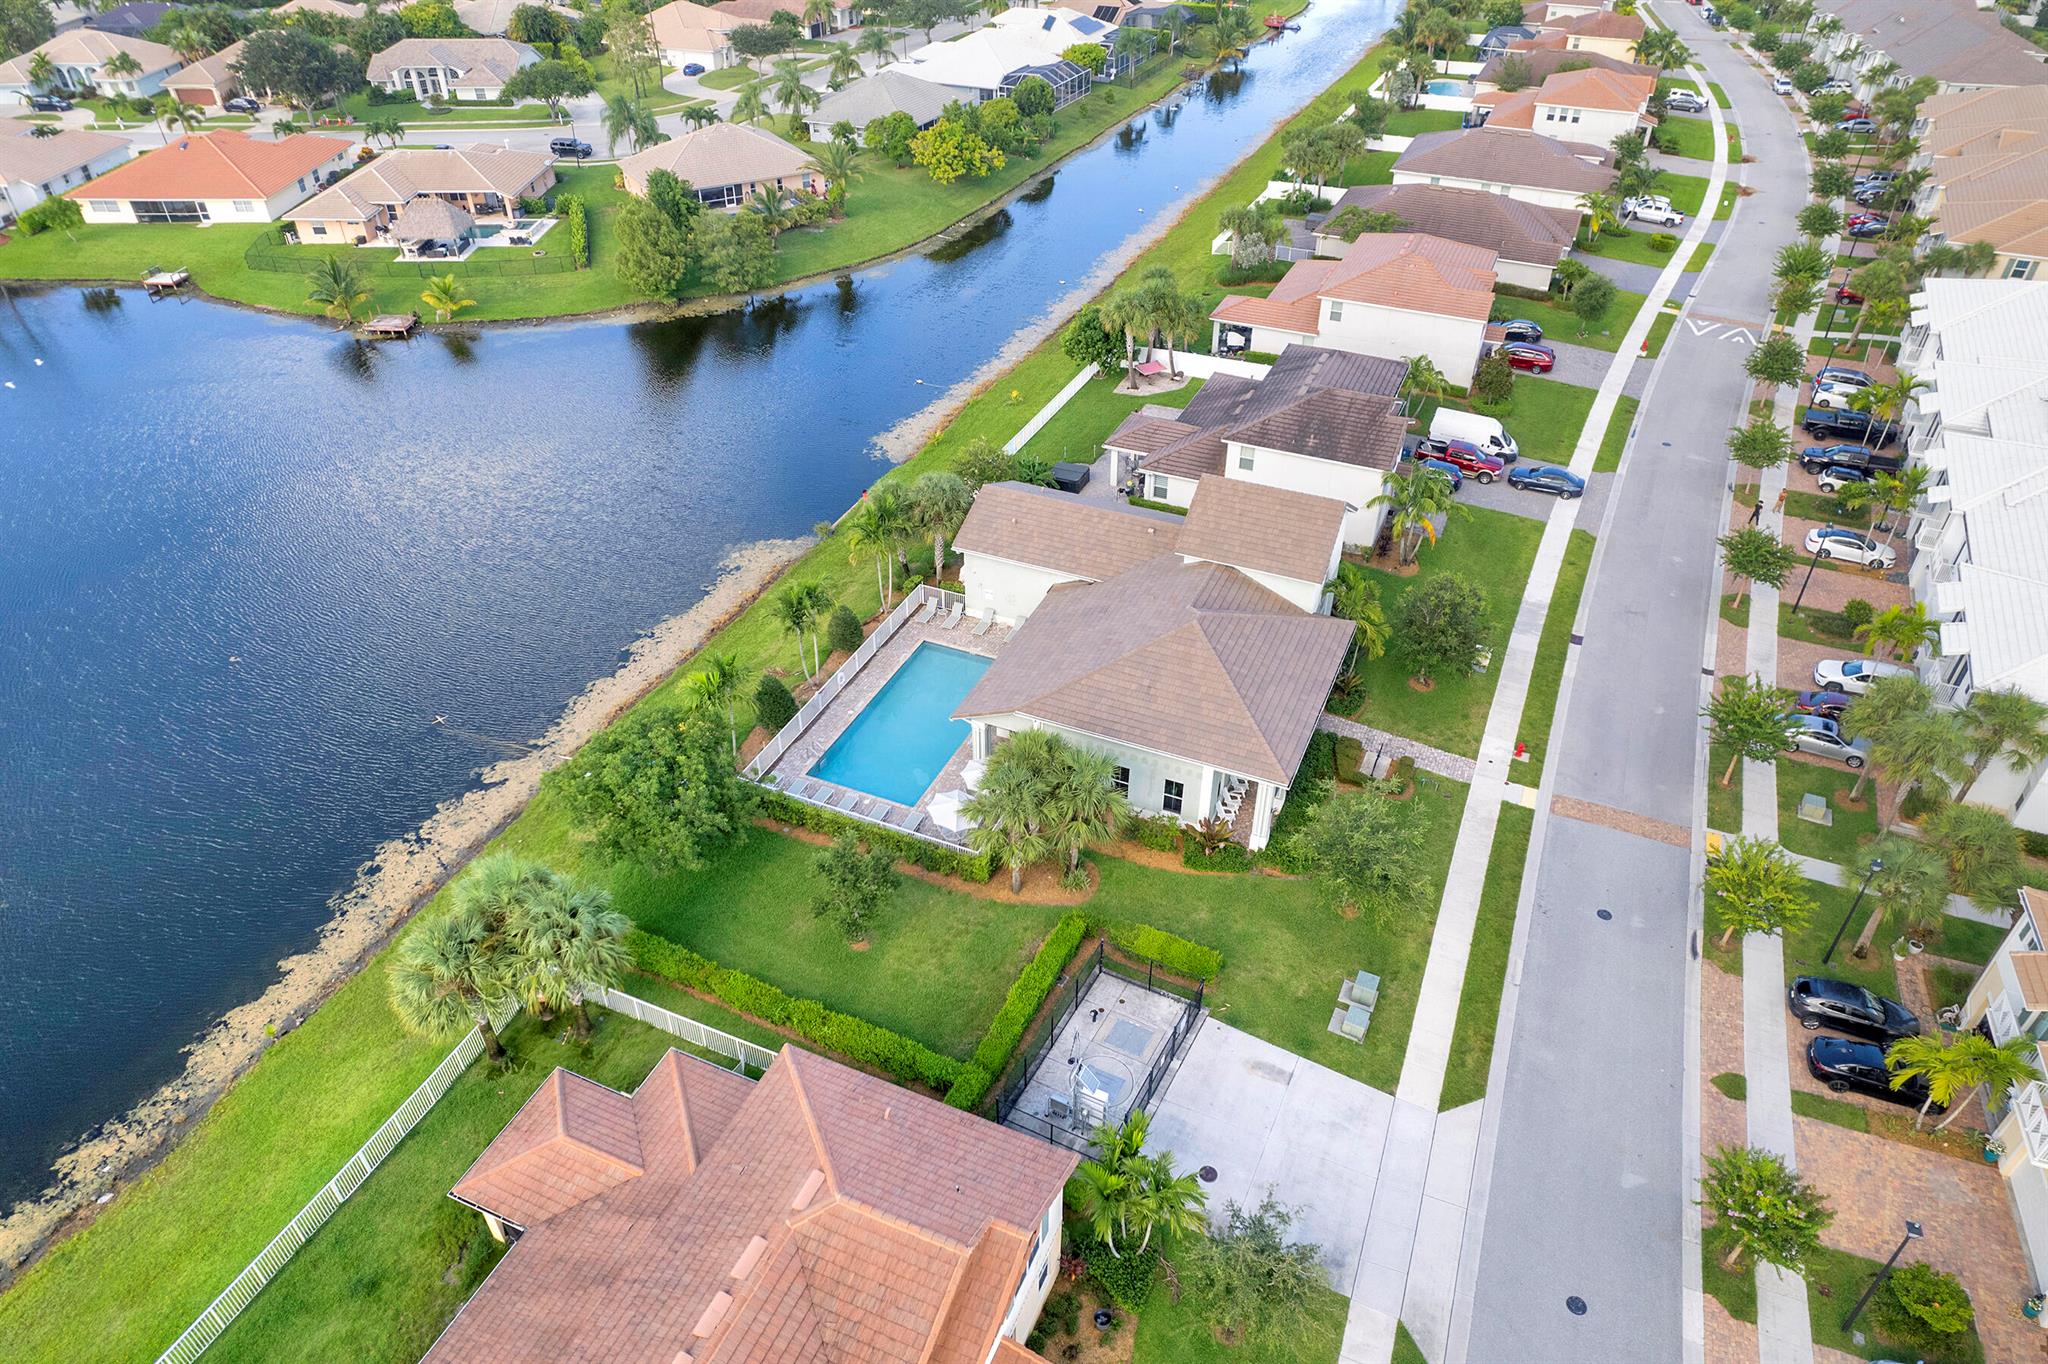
[(220, 165), (1343, 427), (1410, 271), (1514, 230), (1262, 529), (1247, 671), (1505, 156), (1050, 529), (819, 1215), (719, 154)]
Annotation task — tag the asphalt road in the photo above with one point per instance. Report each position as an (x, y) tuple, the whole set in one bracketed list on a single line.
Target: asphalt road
[(1589, 1190)]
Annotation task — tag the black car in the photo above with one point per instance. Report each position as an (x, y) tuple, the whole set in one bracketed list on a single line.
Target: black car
[(1846, 1066), (242, 104), (1818, 1002), (1865, 231), (1828, 705), (1549, 478), (1520, 329), (1849, 424), (571, 146), (49, 104)]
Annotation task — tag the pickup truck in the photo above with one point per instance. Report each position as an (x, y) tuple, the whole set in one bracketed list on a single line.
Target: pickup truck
[(1861, 458), (1848, 424)]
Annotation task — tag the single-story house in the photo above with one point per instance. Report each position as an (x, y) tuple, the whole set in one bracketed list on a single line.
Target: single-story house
[(132, 19), (740, 12), (211, 82), (1592, 106), (1529, 239), (1602, 31), (725, 163), (818, 1213), (484, 181), (1151, 14), (1541, 11), (1159, 641), (77, 56), (218, 177), (689, 34), (1058, 29), (492, 17), (1522, 165), (989, 62), (34, 168), (340, 9), (449, 68), (1543, 63), (1390, 293), (886, 92)]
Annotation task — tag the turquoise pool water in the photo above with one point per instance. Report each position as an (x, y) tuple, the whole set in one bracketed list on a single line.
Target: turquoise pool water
[(1445, 88), (901, 740)]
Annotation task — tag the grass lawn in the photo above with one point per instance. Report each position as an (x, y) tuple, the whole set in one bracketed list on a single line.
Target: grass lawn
[(1839, 841), (1373, 168), (1820, 1107), (729, 77), (1077, 430), (1616, 438), (1720, 96), (1726, 208), (1666, 84), (1735, 609), (1815, 626), (1692, 138), (1406, 1351), (1409, 122), (411, 111), (1724, 803), (1660, 332), (1172, 1332), (1486, 970), (1686, 192), (1493, 549), (1699, 257), (1834, 1280), (1546, 418), (1804, 948), (1540, 710), (1627, 244), (1967, 940), (1825, 507), (1733, 1085), (1560, 323)]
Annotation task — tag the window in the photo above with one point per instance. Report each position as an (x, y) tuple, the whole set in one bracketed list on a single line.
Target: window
[(2019, 269), (1171, 800), (1161, 488), (1336, 311), (249, 205), (100, 205), (1120, 778), (1244, 459)]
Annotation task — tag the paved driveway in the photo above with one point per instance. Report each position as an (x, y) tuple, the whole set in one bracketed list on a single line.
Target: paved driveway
[(1263, 1116)]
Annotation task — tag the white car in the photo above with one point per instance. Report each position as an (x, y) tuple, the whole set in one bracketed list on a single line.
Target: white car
[(1652, 211), (1781, 85), (1832, 398), (1854, 675), (1833, 542), (1835, 87), (1836, 477), (1685, 102)]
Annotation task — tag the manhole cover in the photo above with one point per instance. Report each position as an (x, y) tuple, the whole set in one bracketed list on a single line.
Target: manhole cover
[(1604, 913), (1208, 1173), (1575, 1305)]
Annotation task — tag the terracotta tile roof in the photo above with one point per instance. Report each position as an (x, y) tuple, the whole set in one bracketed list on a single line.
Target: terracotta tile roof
[(1505, 156), (1263, 529), (40, 159), (1051, 529), (1605, 24), (1542, 42), (2009, 115), (718, 154), (1516, 109), (1248, 671), (1594, 88), (1410, 271), (1297, 315), (1950, 40), (2031, 969), (571, 1141), (685, 26), (1997, 197), (1543, 64), (221, 165), (1510, 228), (819, 1215)]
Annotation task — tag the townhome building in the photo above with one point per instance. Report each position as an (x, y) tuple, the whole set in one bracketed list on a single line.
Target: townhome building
[(2009, 1000), (1986, 157), (1953, 42)]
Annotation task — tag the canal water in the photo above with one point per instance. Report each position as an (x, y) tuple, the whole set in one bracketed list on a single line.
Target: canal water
[(246, 562)]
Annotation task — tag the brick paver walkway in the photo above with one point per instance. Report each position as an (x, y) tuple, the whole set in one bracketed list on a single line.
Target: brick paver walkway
[(1722, 1121)]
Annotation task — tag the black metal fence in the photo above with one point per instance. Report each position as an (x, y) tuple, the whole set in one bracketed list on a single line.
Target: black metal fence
[(270, 252)]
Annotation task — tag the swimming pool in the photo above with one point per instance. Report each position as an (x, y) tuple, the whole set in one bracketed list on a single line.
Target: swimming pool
[(902, 738), (1447, 88)]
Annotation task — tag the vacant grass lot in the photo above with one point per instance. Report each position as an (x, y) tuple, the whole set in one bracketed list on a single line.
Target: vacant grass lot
[(1486, 970)]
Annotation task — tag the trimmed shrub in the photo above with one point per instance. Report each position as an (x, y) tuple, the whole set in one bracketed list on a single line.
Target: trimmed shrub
[(1263, 272), (1518, 291), (1126, 1281), (1924, 1308), (1311, 788), (1230, 857), (1857, 613), (2035, 844), (1020, 1006), (854, 1038), (1350, 755), (576, 222), (774, 707), (1172, 952), (842, 630), (1663, 243), (931, 856), (1156, 832)]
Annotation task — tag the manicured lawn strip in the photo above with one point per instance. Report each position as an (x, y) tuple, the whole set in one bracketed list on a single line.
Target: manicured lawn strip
[(1967, 940), (1720, 96), (729, 77), (1735, 609), (1686, 192), (1834, 1280), (1734, 143), (1659, 333), (1615, 440), (1170, 1332), (384, 1275), (1814, 626), (1825, 507), (1406, 1351), (1545, 418), (1692, 138), (125, 1286), (1486, 970), (1733, 1085), (1837, 842), (1539, 711), (1076, 431), (1666, 84), (1823, 1109), (1373, 168), (1724, 803), (1627, 244), (1410, 122), (1493, 549), (1559, 323), (1699, 256), (1726, 208)]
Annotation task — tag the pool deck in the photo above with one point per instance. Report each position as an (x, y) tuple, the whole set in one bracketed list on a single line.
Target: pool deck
[(825, 730)]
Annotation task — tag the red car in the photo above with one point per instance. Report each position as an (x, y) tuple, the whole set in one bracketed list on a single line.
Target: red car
[(1463, 454), (1524, 355), (1844, 294)]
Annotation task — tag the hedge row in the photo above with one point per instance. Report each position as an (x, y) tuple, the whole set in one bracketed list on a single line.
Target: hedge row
[(854, 1038), (1175, 953), (931, 856), (1311, 788), (1027, 994)]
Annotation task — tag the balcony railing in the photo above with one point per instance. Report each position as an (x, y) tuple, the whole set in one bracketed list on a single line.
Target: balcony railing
[(1928, 538), (2001, 1016), (2030, 1106)]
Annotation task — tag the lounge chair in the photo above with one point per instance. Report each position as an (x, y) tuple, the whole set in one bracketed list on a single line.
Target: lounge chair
[(981, 626), (844, 800), (908, 818), (953, 616), (930, 609)]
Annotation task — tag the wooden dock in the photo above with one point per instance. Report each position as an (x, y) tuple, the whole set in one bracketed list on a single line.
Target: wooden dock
[(160, 282), (390, 326)]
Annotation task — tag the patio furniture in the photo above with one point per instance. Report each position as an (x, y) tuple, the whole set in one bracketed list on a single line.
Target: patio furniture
[(1362, 989), (986, 619), (970, 775), (945, 810), (953, 616), (930, 609)]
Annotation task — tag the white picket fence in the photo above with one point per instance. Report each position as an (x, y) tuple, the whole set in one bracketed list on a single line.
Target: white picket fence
[(742, 1052)]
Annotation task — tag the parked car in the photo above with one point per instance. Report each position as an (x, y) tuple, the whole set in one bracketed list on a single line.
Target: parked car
[(1527, 355), (1651, 211), (1857, 426), (1845, 1066), (1781, 85), (1844, 294), (1857, 125), (1520, 329), (1863, 232), (1828, 705), (1685, 102), (1837, 542), (570, 146), (1838, 86), (243, 104), (1818, 1002), (1840, 376), (1446, 468), (1462, 455), (1712, 16), (1548, 478), (693, 68), (1836, 477), (1854, 675), (1878, 178), (1828, 397), (1865, 217), (49, 104), (1475, 428), (1824, 738)]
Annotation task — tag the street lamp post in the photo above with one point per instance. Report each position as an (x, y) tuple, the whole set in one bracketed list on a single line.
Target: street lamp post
[(1912, 1234), (1876, 866), (1811, 564)]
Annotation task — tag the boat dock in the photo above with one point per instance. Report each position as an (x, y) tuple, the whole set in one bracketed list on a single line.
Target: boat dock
[(159, 282), (391, 326)]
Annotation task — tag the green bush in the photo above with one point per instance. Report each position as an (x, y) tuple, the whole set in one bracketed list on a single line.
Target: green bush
[(2035, 844), (1125, 1281), (842, 630), (1175, 954), (931, 856), (1918, 804), (1663, 243), (1857, 612), (1230, 857), (1262, 272), (1156, 832), (774, 707), (1020, 1006), (576, 222), (854, 1038), (1517, 291), (1350, 755), (1311, 788), (1924, 1308)]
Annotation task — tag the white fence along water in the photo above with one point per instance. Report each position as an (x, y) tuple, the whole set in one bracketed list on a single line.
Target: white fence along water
[(743, 1052)]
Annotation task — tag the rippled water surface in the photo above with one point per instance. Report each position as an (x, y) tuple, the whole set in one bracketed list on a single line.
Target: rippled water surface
[(244, 563)]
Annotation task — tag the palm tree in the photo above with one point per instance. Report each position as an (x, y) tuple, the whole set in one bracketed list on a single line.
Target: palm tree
[(385, 128), (120, 64), (627, 120), (2008, 721), (838, 164), (1126, 311), (937, 504), (1168, 1202), (878, 42), (1007, 816), (1994, 1067), (285, 127), (870, 531), (822, 601), (794, 608), (817, 14), (1085, 803), (1109, 1186), (698, 115), (1425, 378), (566, 943), (844, 65), (337, 285), (749, 106), (449, 975), (1356, 598), (1893, 493), (444, 296), (42, 72), (790, 91), (767, 202), (1438, 29), (1599, 208), (45, 130), (189, 43), (1903, 628), (719, 682), (1929, 747), (1234, 32), (1416, 498), (1950, 1072), (1911, 881), (1887, 402), (1253, 234), (170, 110)]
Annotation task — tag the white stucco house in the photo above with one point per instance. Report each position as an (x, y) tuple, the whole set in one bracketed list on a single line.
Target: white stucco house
[(1593, 106), (219, 177), (1191, 651), (2011, 1000), (449, 68), (1523, 165), (78, 58), (1528, 240), (1390, 293), (34, 168)]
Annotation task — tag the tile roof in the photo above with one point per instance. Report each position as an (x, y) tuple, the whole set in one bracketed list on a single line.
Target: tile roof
[(492, 17), (1513, 230), (1297, 315), (2032, 970), (216, 73), (1605, 24), (342, 9), (1262, 529), (1950, 40), (1342, 427), (1410, 271), (40, 159), (1956, 119), (89, 47), (1997, 196), (571, 1141), (396, 177), (718, 154), (468, 58), (1595, 88), (818, 1215), (1247, 671), (684, 26), (1543, 64), (1505, 156), (228, 164), (886, 92), (1050, 529)]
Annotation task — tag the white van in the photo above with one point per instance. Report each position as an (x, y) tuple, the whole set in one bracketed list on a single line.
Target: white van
[(1486, 433)]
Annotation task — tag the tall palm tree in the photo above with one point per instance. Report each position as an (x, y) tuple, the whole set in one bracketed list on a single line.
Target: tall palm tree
[(1126, 311), (1887, 402), (879, 43), (42, 72), (285, 127), (1902, 629), (844, 64), (817, 14), (1007, 818), (1253, 234), (444, 296), (1110, 1185), (1234, 32), (385, 128), (838, 164), (698, 115), (1599, 208), (1416, 499), (1912, 880), (794, 609), (1438, 29), (1168, 1202), (749, 106), (120, 64), (338, 286), (1892, 493), (718, 683), (449, 975), (1085, 804), (771, 207), (1927, 748), (1424, 378), (790, 91), (189, 43), (822, 601), (937, 504), (627, 120), (1994, 1067), (2005, 721), (1949, 1073), (567, 943), (1356, 598)]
